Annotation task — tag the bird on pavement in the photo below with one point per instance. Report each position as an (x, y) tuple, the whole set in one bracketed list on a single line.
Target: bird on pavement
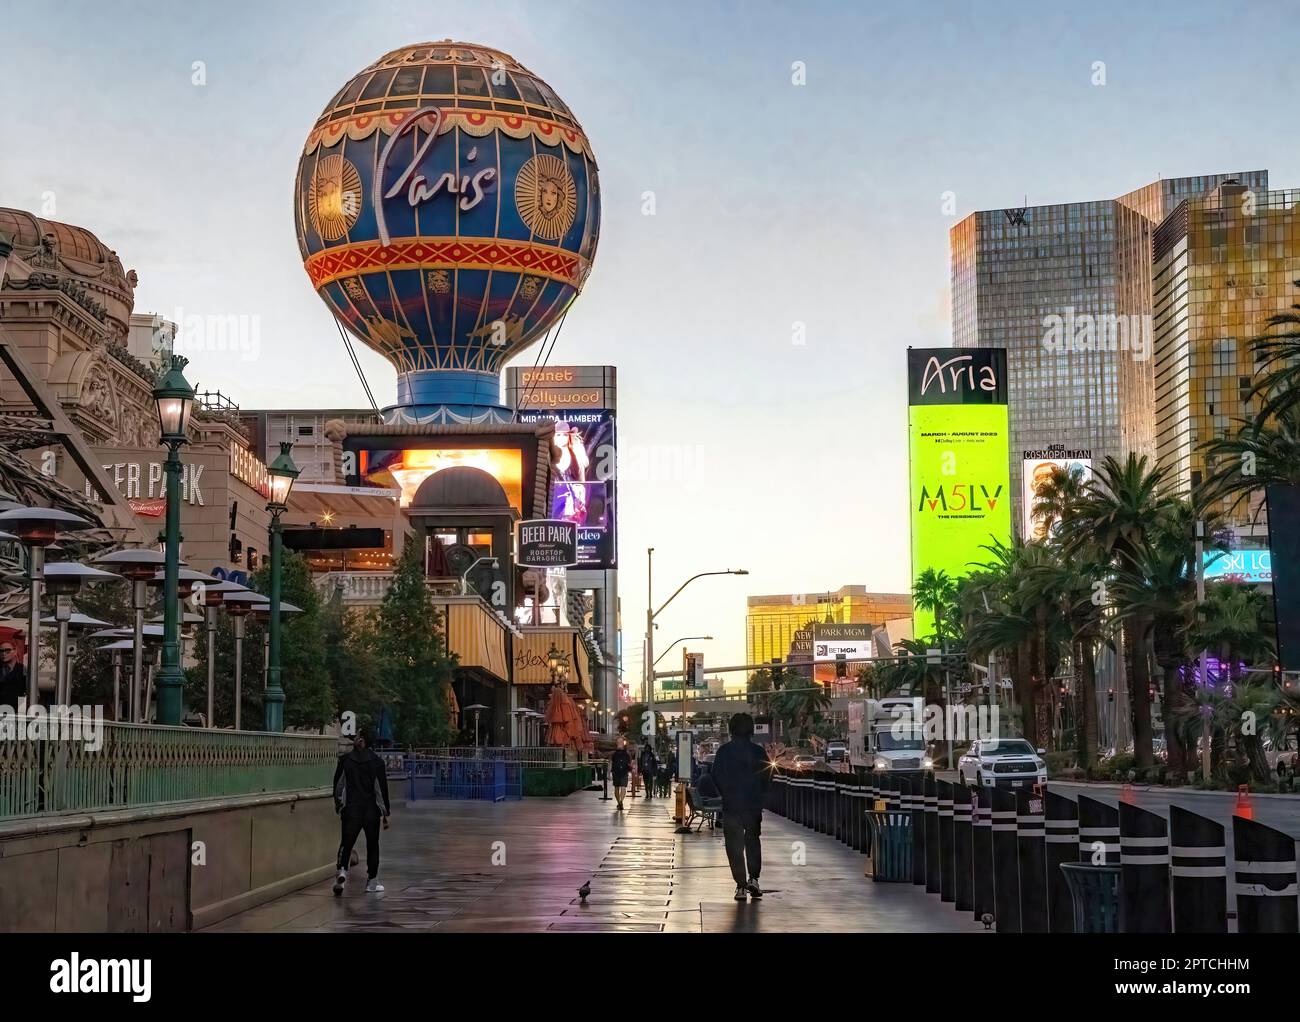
[(584, 890)]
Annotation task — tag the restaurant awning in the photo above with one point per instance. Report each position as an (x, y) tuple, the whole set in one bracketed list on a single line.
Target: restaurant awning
[(314, 501), (532, 647), (474, 633)]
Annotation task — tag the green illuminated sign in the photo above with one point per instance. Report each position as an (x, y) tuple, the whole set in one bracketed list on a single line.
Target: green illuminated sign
[(960, 488)]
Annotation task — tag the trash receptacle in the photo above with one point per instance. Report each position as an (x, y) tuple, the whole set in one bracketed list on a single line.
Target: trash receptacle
[(891, 833), (1095, 893)]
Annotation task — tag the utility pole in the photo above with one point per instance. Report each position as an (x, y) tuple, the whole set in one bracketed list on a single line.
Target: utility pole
[(650, 639)]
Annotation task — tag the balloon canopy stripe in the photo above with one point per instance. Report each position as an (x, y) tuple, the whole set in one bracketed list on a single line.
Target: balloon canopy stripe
[(478, 123), (445, 253)]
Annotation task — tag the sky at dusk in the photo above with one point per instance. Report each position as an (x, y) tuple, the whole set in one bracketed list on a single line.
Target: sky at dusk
[(799, 243)]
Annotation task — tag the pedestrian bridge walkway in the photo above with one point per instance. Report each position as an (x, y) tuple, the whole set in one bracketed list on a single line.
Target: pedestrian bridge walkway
[(517, 867)]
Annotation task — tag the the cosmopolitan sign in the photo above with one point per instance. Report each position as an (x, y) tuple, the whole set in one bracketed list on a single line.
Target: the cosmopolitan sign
[(415, 186), (546, 543), (960, 486)]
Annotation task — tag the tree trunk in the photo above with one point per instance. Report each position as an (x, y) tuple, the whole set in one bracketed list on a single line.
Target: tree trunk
[(1024, 687), (1176, 753), (1140, 695), (1086, 728), (1254, 749), (1042, 702)]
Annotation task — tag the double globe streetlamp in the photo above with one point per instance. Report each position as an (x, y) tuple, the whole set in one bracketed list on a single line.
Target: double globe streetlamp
[(175, 399)]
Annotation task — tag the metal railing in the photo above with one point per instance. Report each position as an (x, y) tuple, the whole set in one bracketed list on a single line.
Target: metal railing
[(139, 764), (528, 755)]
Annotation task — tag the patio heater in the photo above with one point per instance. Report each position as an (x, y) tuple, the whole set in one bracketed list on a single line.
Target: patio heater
[(212, 596), (138, 567), (36, 528), (64, 580), (477, 708), (238, 606), (122, 642)]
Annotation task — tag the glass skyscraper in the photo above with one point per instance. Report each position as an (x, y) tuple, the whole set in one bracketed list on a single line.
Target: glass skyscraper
[(1223, 263), (1067, 290)]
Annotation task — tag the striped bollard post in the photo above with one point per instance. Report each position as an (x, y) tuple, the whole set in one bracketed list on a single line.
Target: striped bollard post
[(818, 822), (931, 836), (961, 848), (1265, 871), (1031, 852), (1062, 845), (918, 831), (981, 835), (1144, 870), (1198, 872), (905, 802), (844, 796), (1098, 832), (860, 814), (1006, 862), (947, 866)]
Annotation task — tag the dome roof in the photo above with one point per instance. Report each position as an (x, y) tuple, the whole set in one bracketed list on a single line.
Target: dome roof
[(461, 486), (70, 251)]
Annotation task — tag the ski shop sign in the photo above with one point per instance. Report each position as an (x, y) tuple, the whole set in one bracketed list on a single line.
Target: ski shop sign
[(546, 543)]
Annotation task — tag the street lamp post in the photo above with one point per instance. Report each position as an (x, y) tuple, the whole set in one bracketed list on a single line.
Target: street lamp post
[(282, 472), (175, 399), (651, 614)]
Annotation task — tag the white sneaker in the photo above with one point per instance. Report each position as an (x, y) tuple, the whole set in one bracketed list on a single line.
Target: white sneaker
[(340, 880), (374, 887)]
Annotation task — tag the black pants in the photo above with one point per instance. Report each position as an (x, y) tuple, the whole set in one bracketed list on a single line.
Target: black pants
[(740, 831), (354, 822)]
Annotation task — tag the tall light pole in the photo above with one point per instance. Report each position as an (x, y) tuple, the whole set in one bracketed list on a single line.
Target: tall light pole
[(282, 472), (175, 399), (651, 614)]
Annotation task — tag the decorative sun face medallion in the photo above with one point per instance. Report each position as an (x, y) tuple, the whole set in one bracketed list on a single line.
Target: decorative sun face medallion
[(334, 199), (546, 197)]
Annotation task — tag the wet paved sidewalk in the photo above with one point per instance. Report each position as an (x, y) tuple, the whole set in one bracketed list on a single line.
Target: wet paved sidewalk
[(439, 870)]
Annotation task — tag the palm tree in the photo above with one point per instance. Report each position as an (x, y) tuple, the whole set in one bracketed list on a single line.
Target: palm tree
[(1238, 720), (1262, 452), (936, 592), (1277, 362), (1122, 509), (1230, 624)]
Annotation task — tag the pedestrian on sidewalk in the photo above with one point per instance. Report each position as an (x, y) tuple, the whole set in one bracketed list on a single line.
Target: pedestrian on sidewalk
[(620, 765), (666, 770), (361, 800), (649, 764), (742, 774)]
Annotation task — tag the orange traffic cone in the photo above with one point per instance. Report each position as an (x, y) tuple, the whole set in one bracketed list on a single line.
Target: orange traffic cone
[(1243, 808), (1126, 794)]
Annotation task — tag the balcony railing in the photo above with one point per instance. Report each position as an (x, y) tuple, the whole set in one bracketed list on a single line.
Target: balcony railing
[(368, 588), (137, 765)]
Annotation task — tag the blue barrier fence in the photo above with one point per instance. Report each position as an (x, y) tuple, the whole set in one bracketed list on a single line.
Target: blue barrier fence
[(479, 780)]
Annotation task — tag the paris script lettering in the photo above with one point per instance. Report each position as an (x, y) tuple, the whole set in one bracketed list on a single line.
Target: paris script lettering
[(470, 189)]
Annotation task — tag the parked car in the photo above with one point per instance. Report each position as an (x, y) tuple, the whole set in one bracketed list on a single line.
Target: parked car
[(1003, 763), (805, 762)]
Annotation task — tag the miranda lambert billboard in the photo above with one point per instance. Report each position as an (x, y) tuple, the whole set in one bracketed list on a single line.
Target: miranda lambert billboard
[(960, 486)]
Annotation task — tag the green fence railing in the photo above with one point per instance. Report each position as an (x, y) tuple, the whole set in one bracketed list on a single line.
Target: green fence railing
[(138, 765)]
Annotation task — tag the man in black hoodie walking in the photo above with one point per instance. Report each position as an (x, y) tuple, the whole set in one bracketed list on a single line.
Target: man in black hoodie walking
[(361, 800), (743, 774)]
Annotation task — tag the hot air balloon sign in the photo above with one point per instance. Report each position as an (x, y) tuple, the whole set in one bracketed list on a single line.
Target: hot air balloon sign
[(447, 207)]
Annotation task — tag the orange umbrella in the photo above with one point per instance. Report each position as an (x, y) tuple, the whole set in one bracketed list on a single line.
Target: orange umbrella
[(558, 717)]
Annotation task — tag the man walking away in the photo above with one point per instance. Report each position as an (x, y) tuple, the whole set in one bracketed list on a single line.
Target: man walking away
[(620, 765), (649, 765), (742, 773), (361, 800)]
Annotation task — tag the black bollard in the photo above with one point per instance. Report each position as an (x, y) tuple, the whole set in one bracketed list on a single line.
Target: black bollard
[(961, 847), (1199, 873), (1265, 871), (1006, 862), (819, 797), (1098, 832), (1031, 850), (982, 853), (860, 814), (1062, 845), (918, 831), (947, 866), (932, 883), (1144, 870)]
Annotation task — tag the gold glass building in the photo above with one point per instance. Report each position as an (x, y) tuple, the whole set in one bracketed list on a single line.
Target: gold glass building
[(771, 621), (1016, 272), (1223, 263)]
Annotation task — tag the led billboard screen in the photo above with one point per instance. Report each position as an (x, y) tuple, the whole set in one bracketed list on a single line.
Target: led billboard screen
[(1037, 469), (960, 486)]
